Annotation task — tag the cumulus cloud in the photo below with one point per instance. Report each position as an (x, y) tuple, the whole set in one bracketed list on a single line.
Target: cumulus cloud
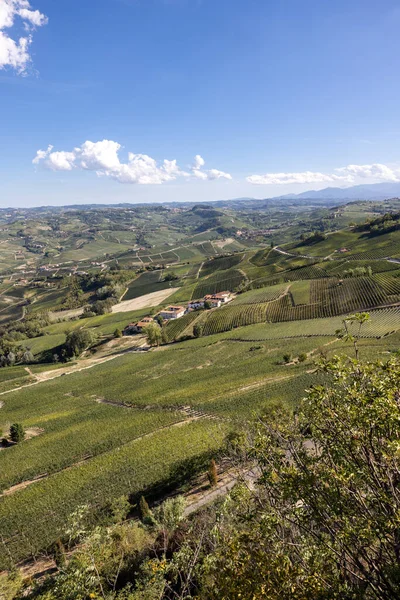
[(349, 174), (103, 158), (374, 171), (212, 174), (14, 50)]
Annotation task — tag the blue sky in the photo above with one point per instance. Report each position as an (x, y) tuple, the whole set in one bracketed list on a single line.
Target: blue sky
[(270, 97)]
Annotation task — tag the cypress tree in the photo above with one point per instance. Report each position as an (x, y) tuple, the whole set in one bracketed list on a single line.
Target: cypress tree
[(212, 474)]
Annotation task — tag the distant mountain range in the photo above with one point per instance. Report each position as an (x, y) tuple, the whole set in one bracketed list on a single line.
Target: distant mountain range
[(372, 191)]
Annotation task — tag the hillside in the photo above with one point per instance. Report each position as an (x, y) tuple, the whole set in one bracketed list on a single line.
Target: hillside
[(372, 191), (117, 418)]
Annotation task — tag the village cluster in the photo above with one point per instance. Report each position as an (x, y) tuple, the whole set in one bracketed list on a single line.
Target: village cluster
[(175, 312)]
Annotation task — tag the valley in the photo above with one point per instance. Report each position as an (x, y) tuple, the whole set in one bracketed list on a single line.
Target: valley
[(261, 293)]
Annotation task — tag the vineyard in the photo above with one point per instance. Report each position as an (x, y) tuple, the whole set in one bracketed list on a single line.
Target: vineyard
[(176, 327), (382, 322), (143, 422), (230, 317), (219, 282), (377, 266), (93, 452), (326, 298), (384, 252), (33, 518), (310, 272), (146, 283), (300, 292), (220, 264), (390, 283), (259, 296), (331, 297)]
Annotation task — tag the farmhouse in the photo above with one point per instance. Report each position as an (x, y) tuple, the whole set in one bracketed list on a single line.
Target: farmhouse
[(223, 297), (215, 302), (172, 312), (214, 299), (137, 327), (195, 304)]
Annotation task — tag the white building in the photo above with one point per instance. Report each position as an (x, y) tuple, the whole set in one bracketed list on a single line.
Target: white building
[(172, 312)]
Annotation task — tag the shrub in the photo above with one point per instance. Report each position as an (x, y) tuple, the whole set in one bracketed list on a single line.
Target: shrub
[(198, 330), (17, 433)]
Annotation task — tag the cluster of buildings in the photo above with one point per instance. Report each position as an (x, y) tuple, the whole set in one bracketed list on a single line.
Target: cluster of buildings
[(175, 312), (212, 300)]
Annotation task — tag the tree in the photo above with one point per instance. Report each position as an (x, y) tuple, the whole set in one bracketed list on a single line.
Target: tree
[(325, 511), (287, 358), (212, 473), (59, 554), (79, 340), (164, 336), (207, 305), (171, 276), (117, 333), (170, 513), (11, 358), (160, 320), (302, 357), (17, 433), (353, 321), (153, 334), (28, 357), (146, 515), (198, 330)]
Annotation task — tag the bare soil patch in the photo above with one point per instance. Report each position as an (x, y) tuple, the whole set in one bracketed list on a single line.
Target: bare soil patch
[(148, 300), (222, 243)]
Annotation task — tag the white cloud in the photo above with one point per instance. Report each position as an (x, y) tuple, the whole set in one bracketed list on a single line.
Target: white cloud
[(349, 174), (215, 174), (199, 162), (305, 177), (14, 50), (33, 16), (374, 171), (103, 158), (212, 174)]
